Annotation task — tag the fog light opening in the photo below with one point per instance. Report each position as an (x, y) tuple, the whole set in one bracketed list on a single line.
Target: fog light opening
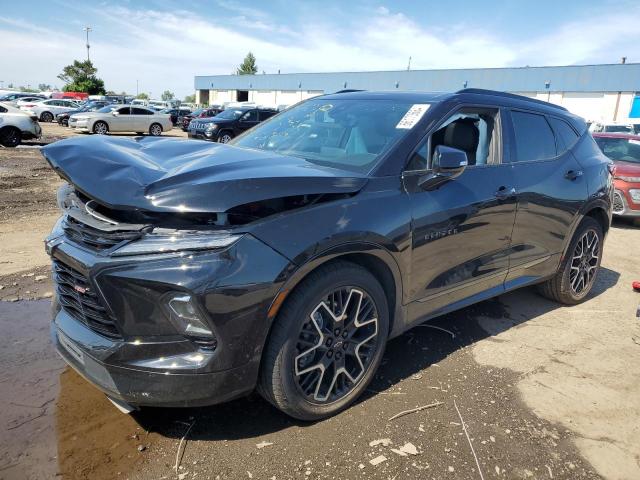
[(185, 317)]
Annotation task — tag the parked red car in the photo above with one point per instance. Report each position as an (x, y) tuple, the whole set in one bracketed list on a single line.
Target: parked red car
[(200, 113), (624, 150)]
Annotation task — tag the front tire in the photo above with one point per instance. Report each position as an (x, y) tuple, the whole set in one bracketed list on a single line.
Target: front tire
[(155, 129), (10, 137), (100, 128), (579, 267), (225, 137), (326, 343), (46, 117)]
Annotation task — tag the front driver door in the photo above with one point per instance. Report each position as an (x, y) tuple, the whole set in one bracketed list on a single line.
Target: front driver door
[(249, 119), (461, 229)]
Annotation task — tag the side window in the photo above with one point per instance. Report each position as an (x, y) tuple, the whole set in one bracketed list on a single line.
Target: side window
[(141, 111), (475, 131), (2, 109), (124, 111), (564, 131), (250, 116), (534, 137), (53, 103), (266, 114)]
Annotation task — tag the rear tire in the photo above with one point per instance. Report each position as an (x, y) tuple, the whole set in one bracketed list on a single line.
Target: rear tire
[(100, 128), (10, 137), (579, 267), (46, 117), (326, 342), (155, 130)]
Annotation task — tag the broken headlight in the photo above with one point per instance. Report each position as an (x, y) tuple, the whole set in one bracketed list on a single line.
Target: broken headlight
[(177, 241)]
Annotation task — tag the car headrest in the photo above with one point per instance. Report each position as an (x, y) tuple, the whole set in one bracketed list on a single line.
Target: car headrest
[(461, 134)]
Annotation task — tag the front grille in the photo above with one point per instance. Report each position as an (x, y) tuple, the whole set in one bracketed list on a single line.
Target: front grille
[(618, 203), (78, 299), (93, 238)]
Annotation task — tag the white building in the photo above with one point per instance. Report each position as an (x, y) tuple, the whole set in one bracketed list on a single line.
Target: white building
[(603, 93)]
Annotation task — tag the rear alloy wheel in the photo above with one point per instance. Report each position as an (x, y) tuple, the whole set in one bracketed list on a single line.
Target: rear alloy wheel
[(155, 129), (10, 137), (326, 343), (579, 268), (46, 117), (100, 128), (225, 137)]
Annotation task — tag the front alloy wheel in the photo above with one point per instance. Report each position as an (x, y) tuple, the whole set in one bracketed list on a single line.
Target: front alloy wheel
[(225, 137), (336, 345), (326, 342)]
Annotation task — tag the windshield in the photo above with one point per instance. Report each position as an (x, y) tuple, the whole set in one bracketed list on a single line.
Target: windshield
[(229, 114), (107, 109), (346, 134), (622, 149)]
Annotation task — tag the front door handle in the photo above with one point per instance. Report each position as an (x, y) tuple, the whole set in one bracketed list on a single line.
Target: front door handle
[(573, 174), (505, 192)]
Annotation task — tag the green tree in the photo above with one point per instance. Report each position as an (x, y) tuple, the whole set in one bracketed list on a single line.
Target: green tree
[(167, 95), (44, 87), (248, 66), (143, 96), (81, 77), (190, 99), (28, 89)]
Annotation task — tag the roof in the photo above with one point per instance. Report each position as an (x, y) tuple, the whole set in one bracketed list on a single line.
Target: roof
[(572, 78)]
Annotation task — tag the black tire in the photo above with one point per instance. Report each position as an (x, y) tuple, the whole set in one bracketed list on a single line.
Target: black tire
[(283, 371), (46, 117), (100, 128), (10, 137), (225, 136), (155, 130), (579, 269)]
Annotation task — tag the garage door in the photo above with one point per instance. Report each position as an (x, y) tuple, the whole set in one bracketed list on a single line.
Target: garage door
[(590, 106)]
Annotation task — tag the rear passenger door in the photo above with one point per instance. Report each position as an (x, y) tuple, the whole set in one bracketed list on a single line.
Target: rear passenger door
[(550, 190), (140, 119), (123, 121)]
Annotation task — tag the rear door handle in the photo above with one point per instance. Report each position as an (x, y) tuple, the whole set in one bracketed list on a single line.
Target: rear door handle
[(573, 174), (505, 192)]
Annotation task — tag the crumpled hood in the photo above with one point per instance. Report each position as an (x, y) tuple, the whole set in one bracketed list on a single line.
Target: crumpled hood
[(164, 174)]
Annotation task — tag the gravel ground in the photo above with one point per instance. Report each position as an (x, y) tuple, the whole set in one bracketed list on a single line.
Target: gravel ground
[(543, 391)]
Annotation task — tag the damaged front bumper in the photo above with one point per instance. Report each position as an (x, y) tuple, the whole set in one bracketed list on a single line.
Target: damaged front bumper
[(142, 359)]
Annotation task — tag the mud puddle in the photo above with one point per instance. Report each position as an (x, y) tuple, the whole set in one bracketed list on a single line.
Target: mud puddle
[(28, 391)]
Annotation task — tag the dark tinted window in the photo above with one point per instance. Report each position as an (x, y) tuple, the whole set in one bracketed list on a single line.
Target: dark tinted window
[(3, 110), (534, 138), (266, 114), (565, 132), (141, 111), (250, 116), (124, 111)]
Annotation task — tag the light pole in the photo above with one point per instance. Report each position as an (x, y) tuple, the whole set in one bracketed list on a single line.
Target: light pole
[(136, 88), (87, 29)]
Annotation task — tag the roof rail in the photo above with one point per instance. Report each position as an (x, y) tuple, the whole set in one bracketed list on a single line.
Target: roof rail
[(496, 93), (349, 90)]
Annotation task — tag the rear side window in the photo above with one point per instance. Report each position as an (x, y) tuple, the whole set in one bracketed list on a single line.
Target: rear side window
[(266, 114), (567, 135), (534, 137), (3, 110), (141, 111)]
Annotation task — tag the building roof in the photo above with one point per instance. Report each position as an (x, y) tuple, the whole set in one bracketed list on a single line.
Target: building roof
[(573, 78)]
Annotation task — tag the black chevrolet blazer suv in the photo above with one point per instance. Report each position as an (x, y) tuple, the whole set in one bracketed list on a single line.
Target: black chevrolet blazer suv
[(191, 273)]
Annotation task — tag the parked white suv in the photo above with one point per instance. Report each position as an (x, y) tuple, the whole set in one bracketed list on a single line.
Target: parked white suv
[(46, 110), (16, 126), (124, 118)]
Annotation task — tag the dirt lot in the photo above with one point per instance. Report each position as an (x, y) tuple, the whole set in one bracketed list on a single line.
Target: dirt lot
[(544, 391)]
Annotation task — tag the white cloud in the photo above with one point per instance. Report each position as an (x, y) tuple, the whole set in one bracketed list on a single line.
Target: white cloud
[(165, 49)]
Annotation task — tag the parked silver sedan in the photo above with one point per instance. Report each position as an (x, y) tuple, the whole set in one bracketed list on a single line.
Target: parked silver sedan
[(121, 118)]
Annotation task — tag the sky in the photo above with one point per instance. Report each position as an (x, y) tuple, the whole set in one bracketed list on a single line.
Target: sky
[(156, 45)]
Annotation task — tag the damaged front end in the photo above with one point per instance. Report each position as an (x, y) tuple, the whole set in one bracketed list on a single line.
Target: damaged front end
[(162, 290)]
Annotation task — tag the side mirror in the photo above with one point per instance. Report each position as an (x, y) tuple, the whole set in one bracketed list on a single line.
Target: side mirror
[(448, 163)]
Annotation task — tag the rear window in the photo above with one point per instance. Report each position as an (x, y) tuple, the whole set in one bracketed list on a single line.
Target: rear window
[(534, 137), (567, 134), (622, 149)]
